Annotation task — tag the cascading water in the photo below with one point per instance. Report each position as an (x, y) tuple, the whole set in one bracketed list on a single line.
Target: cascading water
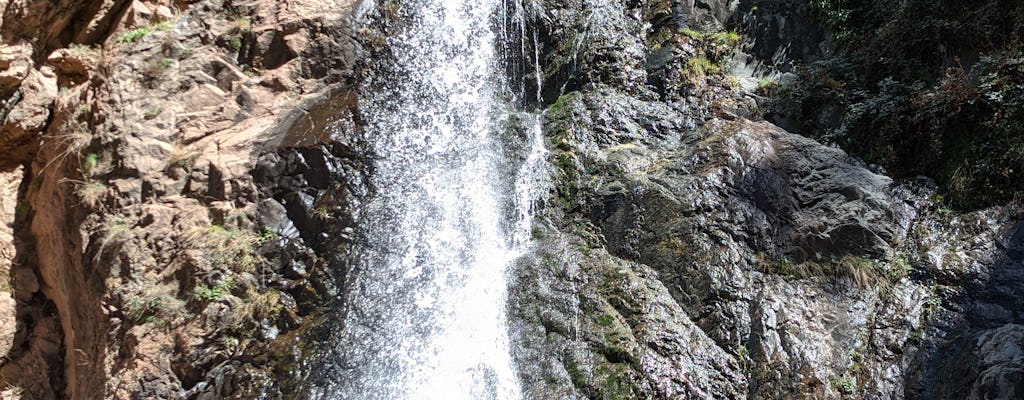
[(425, 306)]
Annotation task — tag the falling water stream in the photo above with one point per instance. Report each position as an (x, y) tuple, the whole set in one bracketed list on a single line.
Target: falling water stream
[(425, 312)]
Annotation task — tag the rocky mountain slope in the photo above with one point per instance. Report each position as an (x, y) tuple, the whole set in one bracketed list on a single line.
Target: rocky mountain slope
[(144, 260), (179, 179)]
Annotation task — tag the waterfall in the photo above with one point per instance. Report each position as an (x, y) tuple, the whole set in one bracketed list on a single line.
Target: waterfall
[(425, 308)]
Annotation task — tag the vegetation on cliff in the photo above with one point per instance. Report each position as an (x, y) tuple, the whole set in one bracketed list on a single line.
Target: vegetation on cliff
[(920, 87)]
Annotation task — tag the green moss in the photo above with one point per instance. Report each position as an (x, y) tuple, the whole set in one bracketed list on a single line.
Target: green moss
[(567, 187), (579, 380), (606, 320), (614, 382)]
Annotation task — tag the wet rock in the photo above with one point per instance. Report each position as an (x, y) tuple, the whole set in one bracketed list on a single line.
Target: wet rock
[(597, 327)]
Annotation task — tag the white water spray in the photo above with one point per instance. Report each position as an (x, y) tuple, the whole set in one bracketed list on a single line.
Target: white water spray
[(425, 312)]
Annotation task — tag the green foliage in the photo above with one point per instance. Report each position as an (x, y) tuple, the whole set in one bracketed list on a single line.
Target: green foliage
[(697, 67), (259, 305), (152, 112), (766, 87), (228, 249), (163, 26), (235, 43), (134, 36), (606, 320), (89, 165), (921, 87), (568, 188), (845, 386), (91, 193), (267, 235), (712, 51), (897, 269), (154, 304), (217, 292)]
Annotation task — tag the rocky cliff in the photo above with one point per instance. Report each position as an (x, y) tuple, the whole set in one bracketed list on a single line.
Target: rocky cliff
[(179, 180), (143, 258)]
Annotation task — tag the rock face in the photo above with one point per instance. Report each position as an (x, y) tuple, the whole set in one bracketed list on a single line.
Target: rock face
[(179, 180), (145, 262), (812, 276)]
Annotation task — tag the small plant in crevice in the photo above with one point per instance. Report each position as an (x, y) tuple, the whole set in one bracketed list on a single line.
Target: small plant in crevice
[(712, 49), (90, 193), (73, 138), (115, 230), (22, 211), (605, 320), (766, 87), (154, 303), (934, 301), (216, 292), (260, 305), (230, 343), (238, 29), (163, 26), (182, 158), (16, 390), (157, 66), (89, 164), (861, 271), (240, 25), (185, 54), (235, 43), (227, 249), (134, 35), (845, 386), (152, 112), (321, 213), (916, 337), (137, 34)]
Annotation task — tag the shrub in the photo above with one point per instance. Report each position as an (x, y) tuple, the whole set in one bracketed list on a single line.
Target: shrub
[(916, 105), (154, 303), (861, 271), (133, 36), (229, 250), (217, 292), (91, 193), (845, 386)]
